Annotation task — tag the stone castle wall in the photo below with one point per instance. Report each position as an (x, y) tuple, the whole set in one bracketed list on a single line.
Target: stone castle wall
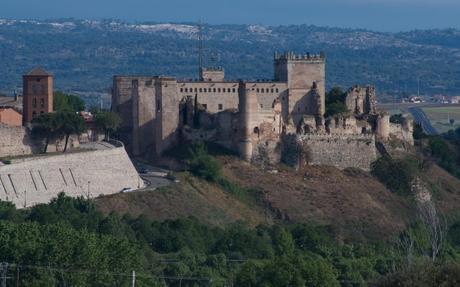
[(14, 141), (339, 150), (38, 180)]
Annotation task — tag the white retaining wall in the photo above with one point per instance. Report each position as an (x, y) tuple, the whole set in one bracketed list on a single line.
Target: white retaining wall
[(39, 180)]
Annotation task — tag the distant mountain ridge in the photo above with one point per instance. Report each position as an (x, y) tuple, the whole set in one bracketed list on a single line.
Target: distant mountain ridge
[(84, 54)]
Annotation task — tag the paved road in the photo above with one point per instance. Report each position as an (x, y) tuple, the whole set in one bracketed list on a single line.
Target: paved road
[(421, 118), (153, 176)]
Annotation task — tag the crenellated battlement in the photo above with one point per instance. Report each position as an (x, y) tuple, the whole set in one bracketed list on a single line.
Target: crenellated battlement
[(333, 136), (291, 56)]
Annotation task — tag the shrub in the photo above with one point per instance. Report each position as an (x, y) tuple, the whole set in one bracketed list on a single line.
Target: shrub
[(203, 165), (396, 174)]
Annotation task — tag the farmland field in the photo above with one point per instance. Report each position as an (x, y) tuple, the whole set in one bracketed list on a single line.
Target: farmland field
[(439, 117)]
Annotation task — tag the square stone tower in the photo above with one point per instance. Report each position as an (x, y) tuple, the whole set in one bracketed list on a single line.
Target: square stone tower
[(37, 94), (305, 76)]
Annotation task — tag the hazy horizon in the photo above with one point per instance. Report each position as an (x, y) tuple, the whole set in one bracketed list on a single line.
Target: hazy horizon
[(378, 15)]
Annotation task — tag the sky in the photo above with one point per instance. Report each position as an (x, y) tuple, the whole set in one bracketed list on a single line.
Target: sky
[(380, 15)]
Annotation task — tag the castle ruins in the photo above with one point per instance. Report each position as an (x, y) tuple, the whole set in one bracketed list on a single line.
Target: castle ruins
[(264, 121)]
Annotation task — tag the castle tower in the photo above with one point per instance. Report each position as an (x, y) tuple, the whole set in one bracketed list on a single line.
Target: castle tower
[(371, 100), (302, 73), (248, 108), (383, 126), (37, 94)]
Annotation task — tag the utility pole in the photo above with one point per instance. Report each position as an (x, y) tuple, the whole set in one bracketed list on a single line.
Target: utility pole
[(134, 279), (89, 182)]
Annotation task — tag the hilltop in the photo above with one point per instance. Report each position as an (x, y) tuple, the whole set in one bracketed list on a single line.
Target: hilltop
[(84, 55), (352, 202)]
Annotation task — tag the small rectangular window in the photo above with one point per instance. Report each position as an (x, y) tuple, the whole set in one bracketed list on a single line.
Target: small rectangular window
[(214, 90), (218, 90), (272, 91), (234, 90), (181, 90), (196, 90), (42, 103), (205, 106), (158, 106), (221, 107), (277, 90), (201, 90)]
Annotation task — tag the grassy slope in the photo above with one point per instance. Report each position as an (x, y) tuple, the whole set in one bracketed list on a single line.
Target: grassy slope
[(191, 197), (355, 204)]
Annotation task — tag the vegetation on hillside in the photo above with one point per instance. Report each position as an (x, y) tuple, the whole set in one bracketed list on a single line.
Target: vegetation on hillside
[(397, 174), (68, 242)]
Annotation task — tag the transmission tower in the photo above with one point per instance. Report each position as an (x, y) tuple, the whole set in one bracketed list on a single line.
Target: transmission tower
[(200, 48)]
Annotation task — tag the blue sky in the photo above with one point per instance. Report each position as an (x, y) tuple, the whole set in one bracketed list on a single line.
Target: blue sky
[(383, 15)]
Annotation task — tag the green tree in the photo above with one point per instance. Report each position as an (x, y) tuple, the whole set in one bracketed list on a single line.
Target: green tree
[(396, 174), (46, 126), (70, 124), (335, 102), (67, 103), (108, 122)]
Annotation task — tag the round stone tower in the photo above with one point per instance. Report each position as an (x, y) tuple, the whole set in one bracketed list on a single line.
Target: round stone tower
[(408, 129), (248, 108), (383, 126)]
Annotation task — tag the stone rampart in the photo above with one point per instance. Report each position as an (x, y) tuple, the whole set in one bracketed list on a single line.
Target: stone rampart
[(14, 141), (339, 150), (91, 173)]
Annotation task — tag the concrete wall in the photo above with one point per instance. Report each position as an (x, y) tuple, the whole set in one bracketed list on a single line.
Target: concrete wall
[(37, 180), (339, 150)]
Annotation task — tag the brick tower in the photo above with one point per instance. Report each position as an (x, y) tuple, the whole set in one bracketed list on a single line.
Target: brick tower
[(37, 94)]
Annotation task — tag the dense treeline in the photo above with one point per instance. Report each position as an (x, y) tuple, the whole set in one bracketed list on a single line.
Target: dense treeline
[(69, 243)]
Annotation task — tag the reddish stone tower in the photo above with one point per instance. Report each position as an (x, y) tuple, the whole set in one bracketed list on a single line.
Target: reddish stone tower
[(37, 94)]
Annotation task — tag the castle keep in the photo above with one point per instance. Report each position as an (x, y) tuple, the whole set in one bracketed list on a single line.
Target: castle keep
[(265, 121)]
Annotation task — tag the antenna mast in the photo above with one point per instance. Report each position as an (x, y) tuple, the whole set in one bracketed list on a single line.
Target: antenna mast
[(200, 48)]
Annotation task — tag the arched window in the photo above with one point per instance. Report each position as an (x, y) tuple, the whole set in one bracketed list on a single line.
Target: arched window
[(42, 103), (34, 102)]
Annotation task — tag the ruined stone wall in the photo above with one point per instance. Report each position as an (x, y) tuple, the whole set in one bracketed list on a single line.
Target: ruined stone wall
[(14, 141), (339, 150), (38, 180)]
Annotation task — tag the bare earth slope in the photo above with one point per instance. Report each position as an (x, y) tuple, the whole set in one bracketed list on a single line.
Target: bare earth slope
[(353, 203)]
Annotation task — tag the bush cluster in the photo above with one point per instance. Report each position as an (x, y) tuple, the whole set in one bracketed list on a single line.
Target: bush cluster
[(396, 174)]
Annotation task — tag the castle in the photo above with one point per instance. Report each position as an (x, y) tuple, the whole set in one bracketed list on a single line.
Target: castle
[(264, 121)]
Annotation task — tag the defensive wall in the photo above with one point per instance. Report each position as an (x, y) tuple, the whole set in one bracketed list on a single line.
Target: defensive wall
[(14, 141), (35, 180), (339, 150)]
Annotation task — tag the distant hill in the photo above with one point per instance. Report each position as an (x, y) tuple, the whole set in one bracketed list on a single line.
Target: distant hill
[(84, 55)]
